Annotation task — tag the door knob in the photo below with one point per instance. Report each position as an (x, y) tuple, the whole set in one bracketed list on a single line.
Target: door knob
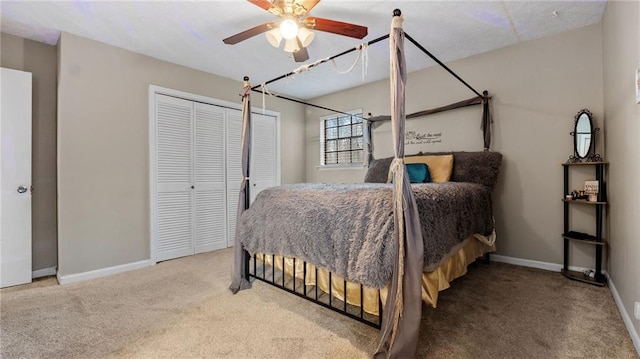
[(22, 189)]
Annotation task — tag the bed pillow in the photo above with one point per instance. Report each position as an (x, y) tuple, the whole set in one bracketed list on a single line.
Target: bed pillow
[(378, 170), (482, 167), (418, 173), (440, 167)]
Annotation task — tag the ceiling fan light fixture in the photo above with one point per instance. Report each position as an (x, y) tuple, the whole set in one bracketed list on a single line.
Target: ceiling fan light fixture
[(305, 36), (289, 29), (291, 45), (295, 26), (274, 37)]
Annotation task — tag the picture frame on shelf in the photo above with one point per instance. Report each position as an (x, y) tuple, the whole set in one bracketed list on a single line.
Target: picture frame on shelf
[(591, 187)]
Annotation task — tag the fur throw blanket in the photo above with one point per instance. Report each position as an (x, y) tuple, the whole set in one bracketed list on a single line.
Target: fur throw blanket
[(347, 228)]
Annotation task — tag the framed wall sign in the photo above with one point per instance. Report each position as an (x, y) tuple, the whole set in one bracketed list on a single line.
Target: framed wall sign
[(591, 186)]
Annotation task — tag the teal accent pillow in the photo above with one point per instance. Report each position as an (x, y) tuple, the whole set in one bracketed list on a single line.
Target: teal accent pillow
[(418, 172)]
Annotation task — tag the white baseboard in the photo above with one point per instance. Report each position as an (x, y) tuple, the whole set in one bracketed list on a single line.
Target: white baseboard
[(78, 277), (625, 316), (554, 267), (44, 272)]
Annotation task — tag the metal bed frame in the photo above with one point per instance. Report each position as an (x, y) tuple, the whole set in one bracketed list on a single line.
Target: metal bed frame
[(314, 291), (315, 295)]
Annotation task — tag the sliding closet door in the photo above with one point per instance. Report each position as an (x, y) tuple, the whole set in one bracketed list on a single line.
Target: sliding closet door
[(234, 170), (264, 154), (174, 171), (210, 209)]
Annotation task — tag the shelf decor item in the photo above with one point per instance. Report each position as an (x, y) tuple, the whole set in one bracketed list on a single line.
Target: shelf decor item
[(591, 187), (584, 144)]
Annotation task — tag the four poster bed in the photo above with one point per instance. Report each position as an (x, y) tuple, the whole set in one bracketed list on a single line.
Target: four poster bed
[(375, 244)]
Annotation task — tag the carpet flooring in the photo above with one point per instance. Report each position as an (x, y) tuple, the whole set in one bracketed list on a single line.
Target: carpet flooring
[(183, 309)]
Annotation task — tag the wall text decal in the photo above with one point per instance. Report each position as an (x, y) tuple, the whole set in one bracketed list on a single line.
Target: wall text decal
[(417, 138)]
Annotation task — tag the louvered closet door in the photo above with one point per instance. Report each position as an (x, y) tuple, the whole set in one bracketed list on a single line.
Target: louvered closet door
[(234, 170), (210, 208), (174, 139), (264, 162)]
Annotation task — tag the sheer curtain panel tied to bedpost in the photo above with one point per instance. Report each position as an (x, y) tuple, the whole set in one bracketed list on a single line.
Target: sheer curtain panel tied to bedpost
[(240, 275), (401, 320)]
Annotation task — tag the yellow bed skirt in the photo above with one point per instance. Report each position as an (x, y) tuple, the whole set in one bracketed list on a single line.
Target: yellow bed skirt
[(434, 281)]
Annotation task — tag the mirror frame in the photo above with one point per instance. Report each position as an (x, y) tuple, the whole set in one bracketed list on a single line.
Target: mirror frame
[(591, 155), (575, 133)]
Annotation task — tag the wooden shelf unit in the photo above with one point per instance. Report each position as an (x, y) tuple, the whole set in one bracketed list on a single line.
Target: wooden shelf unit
[(583, 201), (595, 240)]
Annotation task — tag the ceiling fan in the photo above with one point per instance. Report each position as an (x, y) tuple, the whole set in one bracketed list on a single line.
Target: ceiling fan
[(295, 26)]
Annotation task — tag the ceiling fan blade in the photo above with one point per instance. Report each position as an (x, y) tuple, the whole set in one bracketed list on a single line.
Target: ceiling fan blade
[(302, 55), (267, 5), (257, 30), (336, 27), (302, 7)]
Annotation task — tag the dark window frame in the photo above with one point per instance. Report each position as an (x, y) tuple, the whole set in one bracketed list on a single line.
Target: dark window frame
[(335, 128)]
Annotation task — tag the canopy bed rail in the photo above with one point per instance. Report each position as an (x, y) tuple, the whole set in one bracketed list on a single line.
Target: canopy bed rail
[(485, 125), (480, 99), (262, 87), (404, 255), (314, 64), (441, 63)]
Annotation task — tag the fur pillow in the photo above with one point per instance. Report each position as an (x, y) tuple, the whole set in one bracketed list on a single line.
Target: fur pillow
[(378, 170), (480, 167)]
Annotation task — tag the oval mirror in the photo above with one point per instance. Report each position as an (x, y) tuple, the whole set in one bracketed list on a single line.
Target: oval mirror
[(583, 132)]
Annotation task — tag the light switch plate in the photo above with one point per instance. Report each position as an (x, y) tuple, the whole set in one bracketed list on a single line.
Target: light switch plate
[(637, 310)]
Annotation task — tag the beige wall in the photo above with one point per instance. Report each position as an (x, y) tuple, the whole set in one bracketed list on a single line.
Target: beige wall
[(40, 60), (103, 148), (538, 87), (621, 38)]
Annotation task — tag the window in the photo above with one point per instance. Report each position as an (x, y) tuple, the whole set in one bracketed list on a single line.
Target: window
[(341, 142)]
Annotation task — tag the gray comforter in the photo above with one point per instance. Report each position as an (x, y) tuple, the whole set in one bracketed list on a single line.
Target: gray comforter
[(347, 228)]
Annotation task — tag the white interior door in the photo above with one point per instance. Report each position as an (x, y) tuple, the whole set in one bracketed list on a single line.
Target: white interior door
[(174, 168), (15, 178), (264, 154), (210, 211)]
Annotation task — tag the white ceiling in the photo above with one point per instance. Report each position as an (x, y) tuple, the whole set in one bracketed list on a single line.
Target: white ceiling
[(191, 33)]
